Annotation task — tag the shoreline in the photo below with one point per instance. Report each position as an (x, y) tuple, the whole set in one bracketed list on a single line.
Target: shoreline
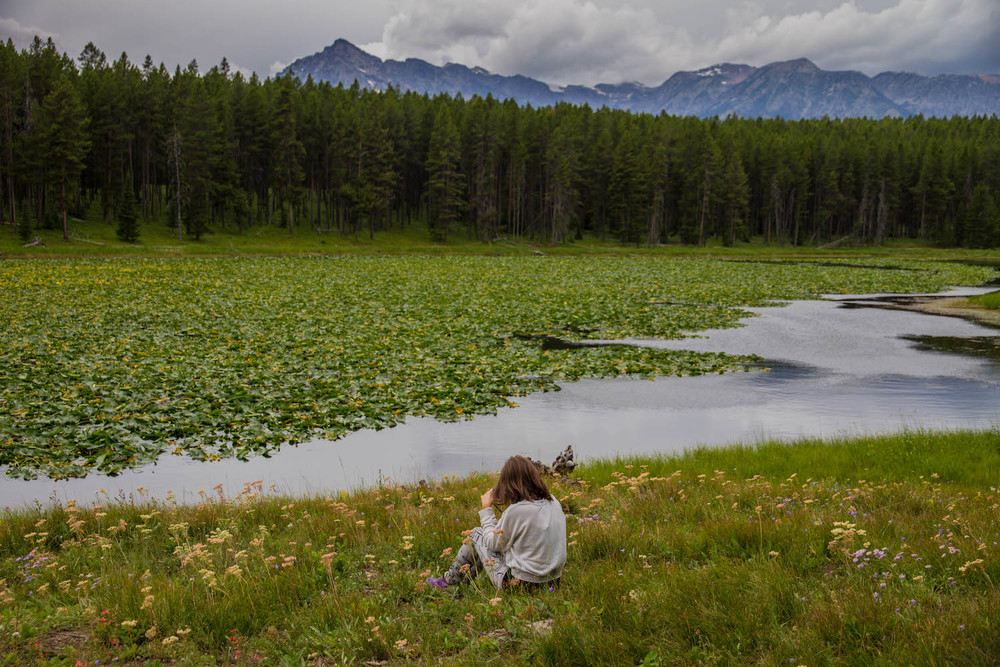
[(951, 307), (711, 556)]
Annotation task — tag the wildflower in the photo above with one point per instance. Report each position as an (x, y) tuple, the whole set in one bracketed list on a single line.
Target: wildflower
[(183, 632), (401, 644), (446, 553), (151, 633), (219, 536), (169, 640), (494, 601), (129, 624), (772, 553)]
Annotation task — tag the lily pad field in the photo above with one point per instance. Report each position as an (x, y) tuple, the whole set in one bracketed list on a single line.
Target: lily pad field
[(110, 363)]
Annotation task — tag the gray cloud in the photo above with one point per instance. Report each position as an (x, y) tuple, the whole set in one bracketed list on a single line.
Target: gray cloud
[(559, 41), (578, 41)]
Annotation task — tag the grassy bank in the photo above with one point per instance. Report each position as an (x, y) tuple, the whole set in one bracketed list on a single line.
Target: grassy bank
[(877, 550), (990, 301), (93, 237)]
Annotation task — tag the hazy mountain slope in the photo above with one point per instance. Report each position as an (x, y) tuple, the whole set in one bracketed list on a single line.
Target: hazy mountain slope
[(791, 89)]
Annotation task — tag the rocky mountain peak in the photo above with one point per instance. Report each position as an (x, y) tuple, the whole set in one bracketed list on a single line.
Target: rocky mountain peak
[(790, 89)]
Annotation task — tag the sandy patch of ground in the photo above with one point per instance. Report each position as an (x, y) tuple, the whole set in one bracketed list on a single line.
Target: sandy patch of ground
[(954, 307)]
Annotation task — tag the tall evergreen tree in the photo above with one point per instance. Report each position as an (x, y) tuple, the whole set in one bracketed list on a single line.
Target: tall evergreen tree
[(128, 217), (982, 226), (562, 163), (63, 124), (735, 196), (444, 185), (287, 155)]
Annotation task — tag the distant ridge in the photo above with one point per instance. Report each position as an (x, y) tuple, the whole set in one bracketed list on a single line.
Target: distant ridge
[(792, 89)]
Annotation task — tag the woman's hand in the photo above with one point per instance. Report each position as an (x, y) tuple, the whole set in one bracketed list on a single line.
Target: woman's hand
[(487, 499)]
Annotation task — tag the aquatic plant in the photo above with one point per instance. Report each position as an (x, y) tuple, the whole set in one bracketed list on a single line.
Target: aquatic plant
[(109, 364)]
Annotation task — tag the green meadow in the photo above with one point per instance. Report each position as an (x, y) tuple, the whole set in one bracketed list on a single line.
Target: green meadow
[(876, 550)]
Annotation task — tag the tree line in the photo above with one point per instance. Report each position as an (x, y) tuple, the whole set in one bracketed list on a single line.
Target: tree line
[(215, 149)]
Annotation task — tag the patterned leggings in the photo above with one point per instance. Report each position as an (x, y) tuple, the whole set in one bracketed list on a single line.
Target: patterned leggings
[(474, 557)]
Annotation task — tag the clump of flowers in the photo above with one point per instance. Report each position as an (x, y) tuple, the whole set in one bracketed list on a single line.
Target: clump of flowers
[(844, 534)]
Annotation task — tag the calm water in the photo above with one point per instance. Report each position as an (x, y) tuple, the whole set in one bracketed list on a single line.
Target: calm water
[(834, 370)]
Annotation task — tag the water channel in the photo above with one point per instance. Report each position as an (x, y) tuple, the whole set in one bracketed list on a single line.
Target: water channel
[(840, 366)]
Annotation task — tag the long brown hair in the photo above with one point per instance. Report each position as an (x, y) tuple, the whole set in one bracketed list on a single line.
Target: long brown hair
[(519, 480)]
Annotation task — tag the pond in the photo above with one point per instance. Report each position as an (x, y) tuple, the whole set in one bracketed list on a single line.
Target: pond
[(840, 366)]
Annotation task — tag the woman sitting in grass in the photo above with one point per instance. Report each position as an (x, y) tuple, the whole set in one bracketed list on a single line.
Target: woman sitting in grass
[(527, 544)]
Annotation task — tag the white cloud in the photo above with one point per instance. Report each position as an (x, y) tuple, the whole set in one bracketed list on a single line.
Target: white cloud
[(245, 71), (23, 34), (579, 41), (562, 41), (277, 66)]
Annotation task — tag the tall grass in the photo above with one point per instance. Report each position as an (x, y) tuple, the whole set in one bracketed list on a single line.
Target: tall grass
[(873, 550), (991, 300), (92, 236)]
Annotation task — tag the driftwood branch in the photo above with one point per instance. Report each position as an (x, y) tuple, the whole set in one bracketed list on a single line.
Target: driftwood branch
[(836, 243)]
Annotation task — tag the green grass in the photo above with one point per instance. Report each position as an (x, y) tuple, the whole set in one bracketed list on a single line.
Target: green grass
[(109, 363), (93, 237), (991, 300), (874, 550)]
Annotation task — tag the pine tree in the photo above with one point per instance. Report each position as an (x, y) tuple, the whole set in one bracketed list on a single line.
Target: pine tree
[(128, 217), (709, 188), (287, 156), (980, 220), (562, 164), (735, 197), (623, 189), (63, 124), (444, 185)]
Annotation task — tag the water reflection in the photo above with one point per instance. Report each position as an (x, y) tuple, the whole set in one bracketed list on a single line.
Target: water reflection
[(832, 371)]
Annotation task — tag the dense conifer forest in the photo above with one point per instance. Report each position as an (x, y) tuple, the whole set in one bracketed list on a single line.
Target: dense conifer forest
[(215, 150)]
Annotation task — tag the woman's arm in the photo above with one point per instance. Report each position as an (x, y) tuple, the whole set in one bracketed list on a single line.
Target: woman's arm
[(493, 538)]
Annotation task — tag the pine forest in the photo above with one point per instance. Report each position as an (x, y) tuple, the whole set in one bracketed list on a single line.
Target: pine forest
[(201, 151)]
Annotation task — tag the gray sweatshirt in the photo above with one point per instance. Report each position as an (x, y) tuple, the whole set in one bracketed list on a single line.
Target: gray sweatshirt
[(531, 535)]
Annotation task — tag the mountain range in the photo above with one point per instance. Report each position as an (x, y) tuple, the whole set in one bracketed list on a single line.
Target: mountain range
[(792, 89)]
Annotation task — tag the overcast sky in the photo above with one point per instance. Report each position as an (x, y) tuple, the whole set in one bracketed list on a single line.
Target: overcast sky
[(557, 41)]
